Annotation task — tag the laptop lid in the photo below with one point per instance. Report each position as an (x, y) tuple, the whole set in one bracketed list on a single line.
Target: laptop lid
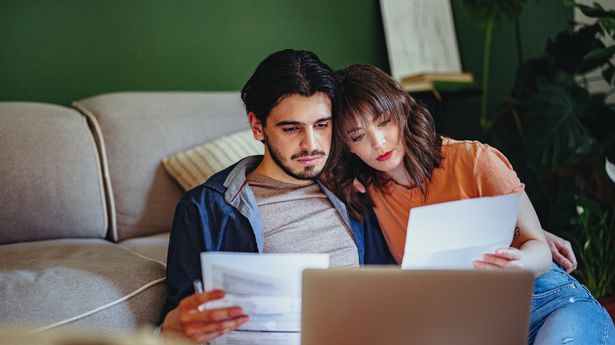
[(389, 306)]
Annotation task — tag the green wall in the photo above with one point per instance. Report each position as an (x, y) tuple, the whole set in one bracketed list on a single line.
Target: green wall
[(539, 21), (62, 50)]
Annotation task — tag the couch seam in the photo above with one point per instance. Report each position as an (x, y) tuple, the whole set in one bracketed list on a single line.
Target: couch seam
[(100, 179), (102, 153), (142, 256)]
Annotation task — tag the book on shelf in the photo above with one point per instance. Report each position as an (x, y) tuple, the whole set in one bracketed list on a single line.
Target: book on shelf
[(442, 81), (436, 85), (439, 76)]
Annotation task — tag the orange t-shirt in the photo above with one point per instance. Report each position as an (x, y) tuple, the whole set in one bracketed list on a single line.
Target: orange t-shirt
[(468, 169)]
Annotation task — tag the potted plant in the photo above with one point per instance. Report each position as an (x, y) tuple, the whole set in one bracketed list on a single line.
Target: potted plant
[(565, 133), (593, 238), (558, 136), (490, 15)]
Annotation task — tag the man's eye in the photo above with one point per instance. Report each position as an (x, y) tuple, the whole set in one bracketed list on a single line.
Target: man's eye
[(384, 123), (357, 138), (322, 125), (290, 129)]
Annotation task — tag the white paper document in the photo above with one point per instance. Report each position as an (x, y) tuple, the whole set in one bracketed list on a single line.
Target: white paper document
[(451, 235), (266, 286)]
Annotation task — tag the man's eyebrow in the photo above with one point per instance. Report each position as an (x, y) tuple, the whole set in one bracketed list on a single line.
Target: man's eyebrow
[(288, 123), (298, 123)]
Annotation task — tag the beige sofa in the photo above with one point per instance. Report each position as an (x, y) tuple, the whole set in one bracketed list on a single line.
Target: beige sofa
[(86, 207)]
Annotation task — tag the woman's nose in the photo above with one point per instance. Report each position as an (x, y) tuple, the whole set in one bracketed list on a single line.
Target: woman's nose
[(378, 139)]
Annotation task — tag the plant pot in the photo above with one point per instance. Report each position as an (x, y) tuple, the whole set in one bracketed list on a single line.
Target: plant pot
[(609, 304)]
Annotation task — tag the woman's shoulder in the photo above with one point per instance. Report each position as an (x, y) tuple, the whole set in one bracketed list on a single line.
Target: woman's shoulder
[(462, 148)]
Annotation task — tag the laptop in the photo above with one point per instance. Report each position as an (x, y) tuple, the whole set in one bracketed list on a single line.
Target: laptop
[(390, 306)]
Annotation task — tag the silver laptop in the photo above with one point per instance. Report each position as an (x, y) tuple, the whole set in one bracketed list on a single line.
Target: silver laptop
[(389, 306)]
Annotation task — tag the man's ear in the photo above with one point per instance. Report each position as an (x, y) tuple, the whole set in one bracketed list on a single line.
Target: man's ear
[(257, 127)]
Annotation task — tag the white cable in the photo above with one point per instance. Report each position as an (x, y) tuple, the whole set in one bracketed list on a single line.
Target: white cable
[(125, 298)]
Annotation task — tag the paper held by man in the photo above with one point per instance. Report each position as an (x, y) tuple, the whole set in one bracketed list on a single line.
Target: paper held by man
[(266, 286)]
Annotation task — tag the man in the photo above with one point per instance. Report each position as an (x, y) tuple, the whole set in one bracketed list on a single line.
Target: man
[(267, 204)]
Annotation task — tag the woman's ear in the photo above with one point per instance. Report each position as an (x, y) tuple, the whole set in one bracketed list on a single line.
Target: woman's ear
[(256, 126)]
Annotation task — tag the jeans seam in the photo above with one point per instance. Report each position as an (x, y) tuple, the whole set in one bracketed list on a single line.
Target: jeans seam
[(606, 325), (554, 290)]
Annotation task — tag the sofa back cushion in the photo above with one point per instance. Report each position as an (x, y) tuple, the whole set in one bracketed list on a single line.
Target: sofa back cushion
[(50, 177), (136, 130)]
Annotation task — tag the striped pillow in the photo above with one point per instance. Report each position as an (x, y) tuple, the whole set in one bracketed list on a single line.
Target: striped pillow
[(194, 166)]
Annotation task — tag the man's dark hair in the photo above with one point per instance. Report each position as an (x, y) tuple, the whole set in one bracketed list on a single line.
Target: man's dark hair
[(285, 73)]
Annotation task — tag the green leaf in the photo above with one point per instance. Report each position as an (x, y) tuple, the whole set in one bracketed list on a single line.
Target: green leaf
[(596, 11), (500, 12), (596, 57), (608, 26), (568, 49), (608, 72), (555, 136)]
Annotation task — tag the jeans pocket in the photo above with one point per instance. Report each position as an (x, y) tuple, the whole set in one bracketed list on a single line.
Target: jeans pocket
[(552, 282)]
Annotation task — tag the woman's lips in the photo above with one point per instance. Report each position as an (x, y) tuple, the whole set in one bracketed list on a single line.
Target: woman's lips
[(383, 157)]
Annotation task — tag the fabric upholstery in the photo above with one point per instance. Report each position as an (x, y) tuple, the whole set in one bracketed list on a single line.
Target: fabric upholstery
[(87, 336), (51, 185), (193, 167), (138, 130), (48, 282), (154, 247)]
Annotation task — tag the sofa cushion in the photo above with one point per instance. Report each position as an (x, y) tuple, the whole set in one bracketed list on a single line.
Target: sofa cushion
[(89, 336), (91, 282), (49, 173), (136, 131), (154, 247), (193, 167)]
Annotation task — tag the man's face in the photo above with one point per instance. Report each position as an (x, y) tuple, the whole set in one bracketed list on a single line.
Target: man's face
[(297, 137)]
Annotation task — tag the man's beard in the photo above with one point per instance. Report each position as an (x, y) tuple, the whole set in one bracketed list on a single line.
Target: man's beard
[(308, 173)]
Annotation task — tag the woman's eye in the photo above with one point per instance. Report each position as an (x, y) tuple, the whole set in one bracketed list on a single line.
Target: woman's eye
[(384, 123), (357, 138)]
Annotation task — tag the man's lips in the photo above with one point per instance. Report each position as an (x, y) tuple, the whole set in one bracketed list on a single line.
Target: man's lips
[(383, 157), (308, 160)]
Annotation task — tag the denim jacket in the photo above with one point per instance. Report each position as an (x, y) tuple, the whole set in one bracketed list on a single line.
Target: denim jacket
[(222, 215)]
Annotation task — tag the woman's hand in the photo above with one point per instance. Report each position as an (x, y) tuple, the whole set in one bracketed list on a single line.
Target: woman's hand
[(503, 258), (202, 325), (562, 252)]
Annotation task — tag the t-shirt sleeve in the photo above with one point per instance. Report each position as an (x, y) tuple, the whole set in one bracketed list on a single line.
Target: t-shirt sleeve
[(494, 173)]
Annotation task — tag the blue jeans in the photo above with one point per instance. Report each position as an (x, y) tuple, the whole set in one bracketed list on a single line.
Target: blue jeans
[(564, 312)]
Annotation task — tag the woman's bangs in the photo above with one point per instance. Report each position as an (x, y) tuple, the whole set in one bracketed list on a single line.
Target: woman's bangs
[(352, 114)]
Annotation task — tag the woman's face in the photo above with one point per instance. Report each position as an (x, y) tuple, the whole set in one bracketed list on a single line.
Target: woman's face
[(378, 143)]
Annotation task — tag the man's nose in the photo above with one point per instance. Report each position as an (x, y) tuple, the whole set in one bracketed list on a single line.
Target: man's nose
[(308, 142)]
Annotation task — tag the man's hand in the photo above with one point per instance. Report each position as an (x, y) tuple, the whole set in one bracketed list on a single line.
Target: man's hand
[(201, 326), (561, 250), (503, 258)]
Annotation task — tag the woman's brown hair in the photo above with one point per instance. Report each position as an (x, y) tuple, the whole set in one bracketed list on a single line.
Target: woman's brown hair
[(364, 89)]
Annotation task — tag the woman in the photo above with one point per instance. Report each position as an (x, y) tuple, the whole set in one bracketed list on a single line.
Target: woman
[(388, 142)]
